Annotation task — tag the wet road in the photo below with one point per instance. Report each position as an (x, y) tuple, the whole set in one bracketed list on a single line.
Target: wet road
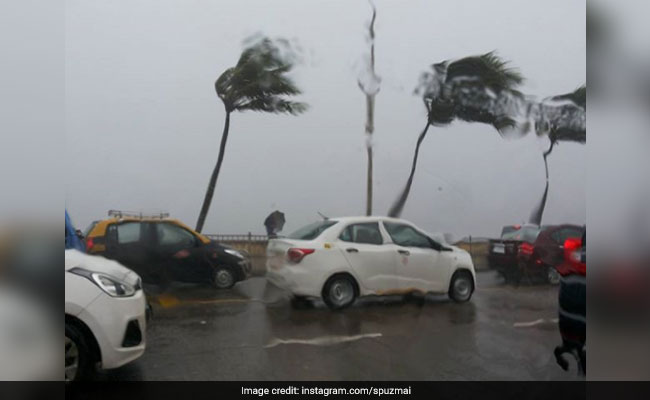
[(252, 332)]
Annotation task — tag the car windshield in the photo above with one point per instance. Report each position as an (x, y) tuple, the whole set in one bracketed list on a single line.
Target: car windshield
[(311, 231), (526, 234), (90, 228)]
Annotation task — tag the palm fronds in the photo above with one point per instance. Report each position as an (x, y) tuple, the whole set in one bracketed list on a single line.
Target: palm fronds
[(563, 117), (474, 89), (259, 81), (479, 88)]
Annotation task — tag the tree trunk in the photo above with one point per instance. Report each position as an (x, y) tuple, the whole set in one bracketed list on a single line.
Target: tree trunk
[(538, 212), (398, 206), (215, 174)]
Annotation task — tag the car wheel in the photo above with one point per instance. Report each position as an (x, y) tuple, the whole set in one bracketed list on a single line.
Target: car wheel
[(223, 278), (78, 358), (461, 287), (339, 292), (552, 276)]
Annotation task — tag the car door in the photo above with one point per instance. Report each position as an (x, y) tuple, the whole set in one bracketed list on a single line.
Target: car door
[(365, 249), (125, 243), (421, 263), (178, 253)]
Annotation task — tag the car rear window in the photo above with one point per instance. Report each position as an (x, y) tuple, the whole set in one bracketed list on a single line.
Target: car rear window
[(508, 229), (525, 233), (311, 231), (563, 234)]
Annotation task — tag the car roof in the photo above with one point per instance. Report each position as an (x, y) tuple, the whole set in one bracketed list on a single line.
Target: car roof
[(101, 224), (562, 226), (372, 218)]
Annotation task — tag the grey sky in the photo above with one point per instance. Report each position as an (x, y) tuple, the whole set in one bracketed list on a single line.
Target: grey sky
[(31, 111), (143, 122)]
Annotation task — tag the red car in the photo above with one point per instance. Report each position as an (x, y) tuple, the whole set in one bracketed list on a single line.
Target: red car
[(532, 252)]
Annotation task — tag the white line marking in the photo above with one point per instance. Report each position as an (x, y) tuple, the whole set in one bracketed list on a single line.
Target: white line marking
[(533, 323), (323, 340)]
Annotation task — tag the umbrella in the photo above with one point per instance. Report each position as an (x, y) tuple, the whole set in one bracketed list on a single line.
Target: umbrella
[(274, 223)]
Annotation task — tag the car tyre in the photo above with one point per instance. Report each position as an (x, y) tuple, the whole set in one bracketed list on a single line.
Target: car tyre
[(461, 287), (552, 276), (223, 277), (339, 292), (78, 357)]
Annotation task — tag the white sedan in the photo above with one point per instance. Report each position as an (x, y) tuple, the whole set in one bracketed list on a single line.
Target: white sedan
[(340, 259), (105, 315)]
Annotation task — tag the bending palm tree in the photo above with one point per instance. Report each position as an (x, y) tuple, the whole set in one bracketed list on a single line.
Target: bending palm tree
[(561, 118), (474, 89), (257, 83)]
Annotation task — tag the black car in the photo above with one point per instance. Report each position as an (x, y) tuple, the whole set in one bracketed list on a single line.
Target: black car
[(162, 250)]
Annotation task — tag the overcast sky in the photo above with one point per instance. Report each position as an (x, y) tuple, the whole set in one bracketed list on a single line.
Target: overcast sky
[(143, 122)]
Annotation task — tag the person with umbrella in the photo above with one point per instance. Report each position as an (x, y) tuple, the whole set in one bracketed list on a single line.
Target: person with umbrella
[(274, 223)]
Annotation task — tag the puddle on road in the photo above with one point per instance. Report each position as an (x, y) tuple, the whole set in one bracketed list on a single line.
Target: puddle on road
[(534, 323), (323, 340)]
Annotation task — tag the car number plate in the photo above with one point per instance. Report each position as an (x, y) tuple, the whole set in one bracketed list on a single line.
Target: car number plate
[(499, 249)]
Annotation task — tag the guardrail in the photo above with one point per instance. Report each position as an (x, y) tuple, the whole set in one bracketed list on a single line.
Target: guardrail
[(249, 237), (254, 246)]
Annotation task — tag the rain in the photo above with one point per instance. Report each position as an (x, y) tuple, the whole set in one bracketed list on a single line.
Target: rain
[(282, 192)]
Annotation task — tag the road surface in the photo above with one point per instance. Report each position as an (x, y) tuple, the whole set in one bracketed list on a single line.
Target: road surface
[(252, 332)]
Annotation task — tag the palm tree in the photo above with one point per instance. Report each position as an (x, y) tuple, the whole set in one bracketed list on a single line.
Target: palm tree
[(561, 118), (258, 82), (369, 85), (474, 89)]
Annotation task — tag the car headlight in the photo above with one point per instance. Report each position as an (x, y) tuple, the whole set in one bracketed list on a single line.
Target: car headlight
[(109, 284), (234, 252)]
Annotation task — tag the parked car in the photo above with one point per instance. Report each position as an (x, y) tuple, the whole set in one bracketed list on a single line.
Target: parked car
[(530, 251), (340, 259), (105, 315), (539, 259), (502, 253), (163, 249), (572, 303)]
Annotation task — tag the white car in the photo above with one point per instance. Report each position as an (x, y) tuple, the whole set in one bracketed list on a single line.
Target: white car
[(339, 259), (105, 315)]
